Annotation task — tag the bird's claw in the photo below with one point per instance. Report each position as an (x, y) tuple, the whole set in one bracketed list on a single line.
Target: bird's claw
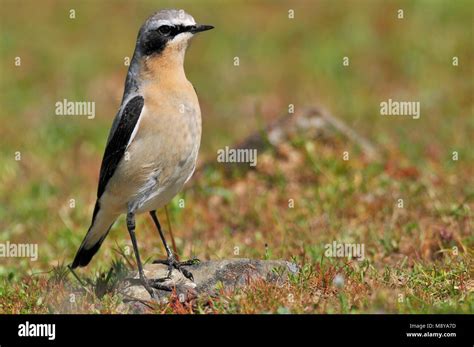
[(178, 265)]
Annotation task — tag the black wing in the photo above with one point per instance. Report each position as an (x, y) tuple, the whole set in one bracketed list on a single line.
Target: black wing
[(119, 137)]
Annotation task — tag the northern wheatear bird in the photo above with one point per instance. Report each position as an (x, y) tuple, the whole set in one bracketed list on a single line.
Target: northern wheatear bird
[(153, 144)]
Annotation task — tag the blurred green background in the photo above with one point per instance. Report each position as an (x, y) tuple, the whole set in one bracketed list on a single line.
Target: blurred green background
[(282, 61)]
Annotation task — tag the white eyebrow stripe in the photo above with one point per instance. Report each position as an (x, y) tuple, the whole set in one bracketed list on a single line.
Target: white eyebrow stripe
[(177, 21)]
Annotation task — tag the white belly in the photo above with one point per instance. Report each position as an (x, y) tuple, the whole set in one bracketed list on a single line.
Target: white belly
[(157, 196)]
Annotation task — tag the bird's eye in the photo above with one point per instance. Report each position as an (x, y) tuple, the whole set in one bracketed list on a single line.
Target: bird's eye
[(165, 29)]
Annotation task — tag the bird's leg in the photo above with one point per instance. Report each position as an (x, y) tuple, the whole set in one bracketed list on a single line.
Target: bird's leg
[(171, 260), (146, 283)]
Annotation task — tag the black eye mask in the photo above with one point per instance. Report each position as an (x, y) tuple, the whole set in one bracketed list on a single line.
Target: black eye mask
[(154, 41), (173, 30)]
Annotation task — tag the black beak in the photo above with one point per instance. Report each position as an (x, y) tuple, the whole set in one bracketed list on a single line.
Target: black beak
[(198, 28)]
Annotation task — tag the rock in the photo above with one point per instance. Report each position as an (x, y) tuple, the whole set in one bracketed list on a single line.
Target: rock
[(208, 276)]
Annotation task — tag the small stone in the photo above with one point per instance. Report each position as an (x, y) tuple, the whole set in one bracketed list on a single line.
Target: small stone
[(338, 281), (209, 276)]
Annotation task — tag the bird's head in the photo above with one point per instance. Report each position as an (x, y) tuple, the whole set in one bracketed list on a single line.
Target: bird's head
[(168, 30)]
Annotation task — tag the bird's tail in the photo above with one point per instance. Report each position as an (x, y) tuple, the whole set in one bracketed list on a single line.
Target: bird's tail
[(100, 226)]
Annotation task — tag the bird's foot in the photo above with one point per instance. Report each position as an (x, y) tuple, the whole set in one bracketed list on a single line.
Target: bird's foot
[(159, 284), (178, 265)]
